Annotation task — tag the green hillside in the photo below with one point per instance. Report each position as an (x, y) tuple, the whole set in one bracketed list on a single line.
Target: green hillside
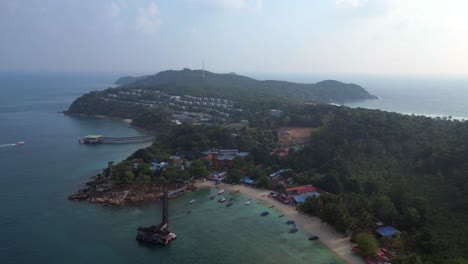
[(245, 89)]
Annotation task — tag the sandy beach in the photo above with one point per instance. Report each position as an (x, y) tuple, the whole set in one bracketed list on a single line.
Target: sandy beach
[(336, 242)]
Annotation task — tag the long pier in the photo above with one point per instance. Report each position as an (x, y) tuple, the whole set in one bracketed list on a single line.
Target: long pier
[(98, 139)]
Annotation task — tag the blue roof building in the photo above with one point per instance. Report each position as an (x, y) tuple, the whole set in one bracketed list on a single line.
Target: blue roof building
[(247, 181), (387, 231), (301, 198)]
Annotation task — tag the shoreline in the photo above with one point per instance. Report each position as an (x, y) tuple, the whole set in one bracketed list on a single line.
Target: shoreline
[(125, 120), (334, 241)]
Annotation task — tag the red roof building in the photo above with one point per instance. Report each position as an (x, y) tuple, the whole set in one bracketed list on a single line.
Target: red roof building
[(302, 189)]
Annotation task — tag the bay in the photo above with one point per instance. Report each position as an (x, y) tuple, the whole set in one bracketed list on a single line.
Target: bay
[(38, 224)]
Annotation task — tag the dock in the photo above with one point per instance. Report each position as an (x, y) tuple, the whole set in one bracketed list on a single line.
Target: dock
[(158, 234), (99, 139)]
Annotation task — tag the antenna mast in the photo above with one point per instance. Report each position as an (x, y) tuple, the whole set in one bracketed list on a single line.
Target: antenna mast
[(204, 69)]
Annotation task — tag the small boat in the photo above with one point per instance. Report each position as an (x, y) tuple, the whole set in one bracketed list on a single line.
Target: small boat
[(229, 204), (212, 197), (238, 191), (191, 201), (248, 202), (189, 212), (265, 213), (230, 198), (313, 238), (272, 206), (289, 222), (222, 200), (293, 230), (281, 216), (20, 143), (221, 191)]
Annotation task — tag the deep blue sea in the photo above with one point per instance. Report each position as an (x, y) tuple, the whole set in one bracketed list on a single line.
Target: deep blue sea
[(39, 225)]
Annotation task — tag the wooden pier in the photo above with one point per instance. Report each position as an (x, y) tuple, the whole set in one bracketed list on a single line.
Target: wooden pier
[(98, 139)]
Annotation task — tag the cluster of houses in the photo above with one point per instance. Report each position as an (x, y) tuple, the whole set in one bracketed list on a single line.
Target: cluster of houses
[(193, 100), (219, 160), (152, 99), (176, 160), (222, 159), (283, 152), (383, 254), (297, 195)]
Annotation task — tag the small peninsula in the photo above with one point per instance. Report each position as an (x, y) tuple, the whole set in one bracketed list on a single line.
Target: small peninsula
[(204, 97)]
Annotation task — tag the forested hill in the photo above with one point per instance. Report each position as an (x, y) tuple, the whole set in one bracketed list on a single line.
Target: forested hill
[(241, 88), (129, 79)]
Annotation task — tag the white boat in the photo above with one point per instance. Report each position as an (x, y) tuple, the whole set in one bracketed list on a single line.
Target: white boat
[(222, 200), (221, 191), (248, 202), (20, 143), (191, 201)]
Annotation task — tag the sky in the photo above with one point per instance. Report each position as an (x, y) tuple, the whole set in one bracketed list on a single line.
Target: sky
[(428, 37)]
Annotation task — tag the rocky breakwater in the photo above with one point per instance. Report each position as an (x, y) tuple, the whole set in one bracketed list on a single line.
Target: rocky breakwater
[(115, 197), (105, 193)]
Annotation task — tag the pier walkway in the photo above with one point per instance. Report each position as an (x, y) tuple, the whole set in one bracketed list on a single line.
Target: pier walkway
[(98, 139)]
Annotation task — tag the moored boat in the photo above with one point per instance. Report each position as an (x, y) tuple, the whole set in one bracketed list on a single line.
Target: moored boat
[(222, 200), (265, 213), (221, 191), (212, 197), (248, 202), (191, 201)]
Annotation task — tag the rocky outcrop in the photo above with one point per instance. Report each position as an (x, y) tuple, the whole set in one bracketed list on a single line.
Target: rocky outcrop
[(78, 196)]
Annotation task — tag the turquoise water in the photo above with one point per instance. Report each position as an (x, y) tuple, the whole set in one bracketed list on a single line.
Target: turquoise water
[(39, 225)]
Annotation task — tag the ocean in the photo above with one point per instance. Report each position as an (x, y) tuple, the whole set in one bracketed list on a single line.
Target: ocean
[(39, 225), (433, 96)]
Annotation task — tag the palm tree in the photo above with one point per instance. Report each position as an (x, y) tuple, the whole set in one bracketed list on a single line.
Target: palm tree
[(110, 164)]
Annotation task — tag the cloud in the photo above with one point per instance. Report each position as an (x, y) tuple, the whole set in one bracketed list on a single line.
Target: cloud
[(194, 32), (114, 12), (232, 4), (148, 19), (11, 6), (350, 3)]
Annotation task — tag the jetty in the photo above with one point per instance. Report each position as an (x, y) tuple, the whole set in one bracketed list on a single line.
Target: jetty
[(99, 139), (158, 234)]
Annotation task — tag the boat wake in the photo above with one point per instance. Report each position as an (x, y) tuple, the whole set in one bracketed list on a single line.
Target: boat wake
[(7, 145)]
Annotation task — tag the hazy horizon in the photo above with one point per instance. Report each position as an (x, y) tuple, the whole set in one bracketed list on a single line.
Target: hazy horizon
[(340, 37)]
